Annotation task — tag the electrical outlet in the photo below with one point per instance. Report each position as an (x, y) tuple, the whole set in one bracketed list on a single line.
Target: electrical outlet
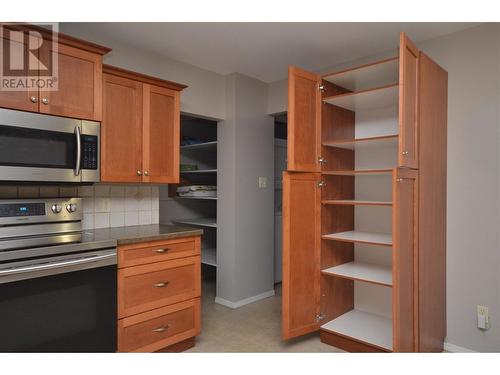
[(483, 317), (262, 182)]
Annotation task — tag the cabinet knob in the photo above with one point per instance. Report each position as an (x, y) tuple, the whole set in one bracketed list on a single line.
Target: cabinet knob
[(161, 251), (321, 160), (405, 153), (139, 173), (161, 284), (34, 99), (161, 329), (45, 101), (146, 173), (321, 184)]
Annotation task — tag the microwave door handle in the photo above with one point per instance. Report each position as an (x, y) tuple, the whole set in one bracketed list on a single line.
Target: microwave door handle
[(78, 150)]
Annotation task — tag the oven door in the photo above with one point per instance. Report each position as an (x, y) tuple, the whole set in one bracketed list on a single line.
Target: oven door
[(35, 147), (59, 304)]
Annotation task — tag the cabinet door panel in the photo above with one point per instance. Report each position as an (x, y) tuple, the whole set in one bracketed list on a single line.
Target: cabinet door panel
[(301, 253), (405, 253), (161, 129), (18, 57), (79, 92), (304, 121), (408, 106), (121, 130)]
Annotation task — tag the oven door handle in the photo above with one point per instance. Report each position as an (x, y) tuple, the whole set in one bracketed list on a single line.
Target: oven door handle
[(74, 264), (78, 150)]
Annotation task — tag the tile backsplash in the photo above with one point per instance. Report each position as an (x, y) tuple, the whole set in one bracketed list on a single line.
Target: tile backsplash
[(104, 205)]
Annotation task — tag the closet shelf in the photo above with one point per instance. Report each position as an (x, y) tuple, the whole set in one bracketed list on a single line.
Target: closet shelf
[(360, 237), (200, 198), (349, 202), (362, 77), (351, 144), (198, 222), (209, 256), (380, 97), (362, 326), (200, 171), (359, 172), (200, 146), (367, 272)]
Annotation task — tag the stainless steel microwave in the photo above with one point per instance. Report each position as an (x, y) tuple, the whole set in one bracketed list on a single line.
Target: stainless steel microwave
[(44, 148)]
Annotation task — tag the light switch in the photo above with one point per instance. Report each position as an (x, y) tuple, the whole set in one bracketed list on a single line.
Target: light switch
[(483, 318), (262, 182)]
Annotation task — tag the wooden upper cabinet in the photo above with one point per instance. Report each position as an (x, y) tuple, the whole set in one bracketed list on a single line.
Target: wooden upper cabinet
[(301, 253), (121, 130), (408, 105), (25, 100), (79, 93), (78, 74), (304, 120), (404, 221), (140, 129), (161, 129)]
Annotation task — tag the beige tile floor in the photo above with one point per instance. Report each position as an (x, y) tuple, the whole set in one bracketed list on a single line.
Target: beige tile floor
[(252, 328)]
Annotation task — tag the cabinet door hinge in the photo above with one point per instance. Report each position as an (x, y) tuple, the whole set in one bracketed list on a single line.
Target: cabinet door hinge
[(320, 317)]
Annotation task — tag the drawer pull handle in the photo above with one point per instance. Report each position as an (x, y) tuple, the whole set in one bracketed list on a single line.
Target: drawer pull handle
[(161, 284), (161, 251), (161, 329)]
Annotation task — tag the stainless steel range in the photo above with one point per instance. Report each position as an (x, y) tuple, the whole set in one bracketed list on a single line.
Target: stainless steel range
[(57, 283)]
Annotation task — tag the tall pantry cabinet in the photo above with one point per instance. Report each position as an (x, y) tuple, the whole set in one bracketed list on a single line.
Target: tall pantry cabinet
[(364, 205)]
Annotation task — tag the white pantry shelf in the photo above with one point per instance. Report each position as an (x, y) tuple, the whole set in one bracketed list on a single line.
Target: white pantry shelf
[(362, 326), (352, 202), (367, 272), (209, 256), (376, 74), (198, 222), (200, 146), (360, 237), (380, 97), (351, 144)]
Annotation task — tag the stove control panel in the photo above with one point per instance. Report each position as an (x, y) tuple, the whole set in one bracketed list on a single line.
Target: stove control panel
[(40, 211), (22, 209)]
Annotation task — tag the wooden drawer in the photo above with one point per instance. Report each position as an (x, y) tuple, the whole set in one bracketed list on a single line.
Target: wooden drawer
[(147, 287), (157, 251), (156, 329)]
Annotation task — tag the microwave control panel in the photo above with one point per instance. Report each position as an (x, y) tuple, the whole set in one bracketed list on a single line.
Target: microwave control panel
[(89, 151)]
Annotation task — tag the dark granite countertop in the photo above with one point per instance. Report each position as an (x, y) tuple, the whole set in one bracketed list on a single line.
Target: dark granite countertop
[(140, 233)]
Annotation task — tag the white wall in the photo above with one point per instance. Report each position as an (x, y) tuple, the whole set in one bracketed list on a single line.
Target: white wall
[(205, 95), (246, 212), (472, 59)]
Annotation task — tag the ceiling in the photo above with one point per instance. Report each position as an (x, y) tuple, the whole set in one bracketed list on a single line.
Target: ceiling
[(264, 50)]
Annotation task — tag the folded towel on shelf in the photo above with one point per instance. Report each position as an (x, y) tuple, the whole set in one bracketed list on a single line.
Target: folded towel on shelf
[(197, 191)]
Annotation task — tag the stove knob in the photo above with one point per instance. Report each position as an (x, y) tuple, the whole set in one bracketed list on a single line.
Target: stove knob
[(56, 208), (71, 207)]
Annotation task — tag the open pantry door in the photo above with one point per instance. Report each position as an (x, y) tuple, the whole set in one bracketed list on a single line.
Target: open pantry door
[(301, 253), (404, 255), (304, 120), (408, 106)]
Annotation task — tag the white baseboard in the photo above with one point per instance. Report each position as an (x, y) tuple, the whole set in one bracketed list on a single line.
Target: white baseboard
[(246, 301), (452, 348)]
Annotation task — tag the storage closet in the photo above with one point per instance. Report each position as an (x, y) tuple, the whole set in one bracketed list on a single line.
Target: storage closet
[(364, 205), (193, 202)]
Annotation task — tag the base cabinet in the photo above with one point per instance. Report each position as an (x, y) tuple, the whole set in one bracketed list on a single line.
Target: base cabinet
[(159, 290)]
